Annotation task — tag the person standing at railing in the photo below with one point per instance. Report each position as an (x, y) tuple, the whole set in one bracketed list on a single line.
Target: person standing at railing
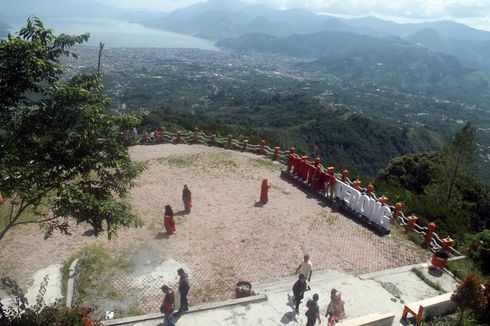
[(264, 192), (187, 199)]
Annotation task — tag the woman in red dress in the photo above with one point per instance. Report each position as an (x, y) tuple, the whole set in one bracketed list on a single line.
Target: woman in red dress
[(168, 220)]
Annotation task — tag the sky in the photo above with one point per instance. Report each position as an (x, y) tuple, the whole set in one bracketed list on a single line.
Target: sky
[(475, 13)]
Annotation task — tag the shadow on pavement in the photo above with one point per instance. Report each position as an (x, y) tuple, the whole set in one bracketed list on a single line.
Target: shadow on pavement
[(163, 235), (288, 317)]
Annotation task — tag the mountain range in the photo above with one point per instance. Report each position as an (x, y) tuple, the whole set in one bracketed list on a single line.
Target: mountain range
[(218, 19)]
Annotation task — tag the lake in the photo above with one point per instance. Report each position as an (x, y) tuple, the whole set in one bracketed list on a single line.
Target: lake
[(121, 33)]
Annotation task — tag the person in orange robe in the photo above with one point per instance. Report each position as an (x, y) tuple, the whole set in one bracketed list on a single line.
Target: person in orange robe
[(168, 220), (264, 193)]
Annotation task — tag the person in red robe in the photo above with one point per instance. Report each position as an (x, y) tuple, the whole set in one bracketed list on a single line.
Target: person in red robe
[(264, 192), (168, 220)]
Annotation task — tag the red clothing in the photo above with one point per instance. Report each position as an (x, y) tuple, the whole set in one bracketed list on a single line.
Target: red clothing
[(292, 161), (168, 222), (264, 192), (315, 180), (311, 169)]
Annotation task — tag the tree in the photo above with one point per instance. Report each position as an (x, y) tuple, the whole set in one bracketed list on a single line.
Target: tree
[(459, 157), (469, 296), (60, 155)]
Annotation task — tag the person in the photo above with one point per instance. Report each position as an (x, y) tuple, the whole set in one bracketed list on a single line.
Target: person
[(335, 309), (168, 220), (264, 192), (184, 287), (313, 312), (187, 199), (305, 267), (167, 307), (299, 289)]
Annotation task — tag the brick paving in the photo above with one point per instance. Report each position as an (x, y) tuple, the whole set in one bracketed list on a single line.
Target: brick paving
[(226, 238)]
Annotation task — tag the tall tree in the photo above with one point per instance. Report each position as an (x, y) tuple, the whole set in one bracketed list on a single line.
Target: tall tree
[(60, 155), (459, 155)]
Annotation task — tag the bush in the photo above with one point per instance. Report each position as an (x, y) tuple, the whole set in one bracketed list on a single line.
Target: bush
[(479, 249)]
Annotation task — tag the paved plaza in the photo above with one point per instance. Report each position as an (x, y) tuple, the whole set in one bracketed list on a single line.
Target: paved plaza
[(227, 237)]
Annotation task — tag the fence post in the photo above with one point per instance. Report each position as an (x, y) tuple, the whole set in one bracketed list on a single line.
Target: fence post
[(345, 175), (447, 243), (369, 190), (430, 232), (145, 137), (179, 136), (262, 147), (245, 145), (317, 161), (276, 152), (357, 184), (1, 199), (213, 139), (162, 134), (383, 200), (228, 145), (291, 159), (196, 135), (398, 209), (411, 220)]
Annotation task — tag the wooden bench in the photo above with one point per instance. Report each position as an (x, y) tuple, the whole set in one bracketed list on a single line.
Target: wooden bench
[(435, 306), (374, 319)]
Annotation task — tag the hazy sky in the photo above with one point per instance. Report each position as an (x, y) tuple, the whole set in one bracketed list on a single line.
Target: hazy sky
[(475, 13)]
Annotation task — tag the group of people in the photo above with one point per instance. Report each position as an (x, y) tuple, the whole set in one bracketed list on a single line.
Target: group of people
[(168, 304), (335, 309), (168, 219)]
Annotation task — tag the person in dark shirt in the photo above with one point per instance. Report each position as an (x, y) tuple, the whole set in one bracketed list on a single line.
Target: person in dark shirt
[(184, 287), (299, 289), (187, 199), (313, 312)]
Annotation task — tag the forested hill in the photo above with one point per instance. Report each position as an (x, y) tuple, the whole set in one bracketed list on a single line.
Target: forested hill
[(411, 69), (317, 45), (389, 63), (339, 137)]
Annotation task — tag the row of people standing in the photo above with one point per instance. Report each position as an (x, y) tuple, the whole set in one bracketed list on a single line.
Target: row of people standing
[(168, 219)]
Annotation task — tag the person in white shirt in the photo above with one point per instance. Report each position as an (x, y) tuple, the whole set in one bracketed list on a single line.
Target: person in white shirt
[(305, 267)]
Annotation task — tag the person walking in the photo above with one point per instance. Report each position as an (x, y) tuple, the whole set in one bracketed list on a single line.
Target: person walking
[(313, 312), (305, 267), (168, 220), (187, 199), (168, 305), (184, 287), (299, 289)]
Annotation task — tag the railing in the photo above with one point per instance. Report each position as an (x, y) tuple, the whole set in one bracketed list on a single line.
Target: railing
[(432, 239)]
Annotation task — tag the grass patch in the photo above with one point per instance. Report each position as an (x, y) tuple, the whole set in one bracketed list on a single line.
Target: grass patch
[(131, 311), (435, 285), (264, 163), (98, 266), (182, 161), (462, 267), (221, 160)]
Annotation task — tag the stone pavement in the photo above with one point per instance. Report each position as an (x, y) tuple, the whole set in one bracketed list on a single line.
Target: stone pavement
[(227, 237), (383, 292)]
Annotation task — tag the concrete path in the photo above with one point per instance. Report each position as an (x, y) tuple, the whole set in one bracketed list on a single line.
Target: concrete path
[(382, 292)]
